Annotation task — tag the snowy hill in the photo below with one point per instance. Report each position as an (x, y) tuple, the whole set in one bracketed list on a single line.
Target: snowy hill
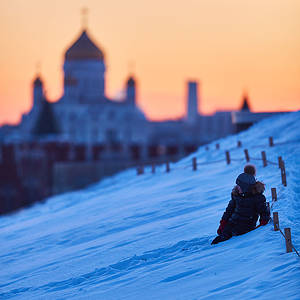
[(148, 236)]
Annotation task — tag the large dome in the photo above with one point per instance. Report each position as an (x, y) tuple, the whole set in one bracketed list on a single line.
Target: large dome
[(84, 49)]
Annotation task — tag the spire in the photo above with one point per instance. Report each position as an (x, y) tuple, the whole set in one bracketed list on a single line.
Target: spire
[(37, 91), (37, 82), (84, 18), (131, 90), (245, 104), (131, 67), (38, 68)]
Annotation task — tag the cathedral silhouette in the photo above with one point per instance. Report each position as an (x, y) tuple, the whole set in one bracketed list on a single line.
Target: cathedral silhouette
[(85, 135)]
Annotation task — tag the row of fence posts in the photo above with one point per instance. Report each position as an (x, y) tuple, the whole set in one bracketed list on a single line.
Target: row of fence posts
[(140, 169), (287, 231), (263, 157), (239, 144), (265, 163)]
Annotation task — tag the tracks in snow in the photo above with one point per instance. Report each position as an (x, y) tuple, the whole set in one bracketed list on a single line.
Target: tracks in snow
[(157, 258)]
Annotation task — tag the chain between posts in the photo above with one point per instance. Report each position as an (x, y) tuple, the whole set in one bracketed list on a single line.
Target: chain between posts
[(289, 242), (275, 221), (228, 159), (195, 164), (272, 163), (274, 144)]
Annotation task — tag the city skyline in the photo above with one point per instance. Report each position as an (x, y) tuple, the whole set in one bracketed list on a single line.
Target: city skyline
[(224, 58)]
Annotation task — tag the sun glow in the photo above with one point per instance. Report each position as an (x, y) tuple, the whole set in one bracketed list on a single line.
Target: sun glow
[(229, 46)]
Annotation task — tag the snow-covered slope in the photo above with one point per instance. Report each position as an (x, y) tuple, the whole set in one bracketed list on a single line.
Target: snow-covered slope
[(148, 237)]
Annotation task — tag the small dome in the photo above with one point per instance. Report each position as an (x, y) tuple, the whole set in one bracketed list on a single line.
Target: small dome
[(84, 49), (37, 82), (130, 81)]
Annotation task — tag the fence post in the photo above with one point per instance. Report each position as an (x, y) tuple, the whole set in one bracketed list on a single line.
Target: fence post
[(153, 168), (283, 174), (239, 144), (288, 240), (167, 167), (271, 143), (140, 170), (276, 221), (264, 158), (247, 155), (227, 157), (274, 194), (217, 146), (194, 163), (280, 162)]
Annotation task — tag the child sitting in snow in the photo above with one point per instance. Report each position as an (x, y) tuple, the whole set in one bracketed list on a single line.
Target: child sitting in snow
[(246, 204)]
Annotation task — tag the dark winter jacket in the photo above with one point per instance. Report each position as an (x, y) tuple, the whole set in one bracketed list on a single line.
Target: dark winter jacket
[(246, 204), (244, 209)]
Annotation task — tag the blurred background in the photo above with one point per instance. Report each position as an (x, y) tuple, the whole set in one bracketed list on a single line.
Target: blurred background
[(231, 46), (88, 88)]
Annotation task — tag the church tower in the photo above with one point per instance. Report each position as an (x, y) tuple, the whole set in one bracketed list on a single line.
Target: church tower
[(131, 91), (192, 102), (84, 70)]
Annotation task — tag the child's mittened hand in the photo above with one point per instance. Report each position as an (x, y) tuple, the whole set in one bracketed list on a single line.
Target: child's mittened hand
[(263, 222)]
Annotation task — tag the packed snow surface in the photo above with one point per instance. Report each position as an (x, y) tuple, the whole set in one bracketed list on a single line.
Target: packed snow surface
[(148, 236)]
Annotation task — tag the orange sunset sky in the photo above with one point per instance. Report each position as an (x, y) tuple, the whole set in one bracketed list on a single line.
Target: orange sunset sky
[(228, 45)]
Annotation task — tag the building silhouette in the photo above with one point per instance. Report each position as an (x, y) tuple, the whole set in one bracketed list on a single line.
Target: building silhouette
[(85, 135), (84, 113)]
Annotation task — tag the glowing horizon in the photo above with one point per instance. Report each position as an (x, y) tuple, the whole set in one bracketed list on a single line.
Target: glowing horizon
[(229, 48)]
